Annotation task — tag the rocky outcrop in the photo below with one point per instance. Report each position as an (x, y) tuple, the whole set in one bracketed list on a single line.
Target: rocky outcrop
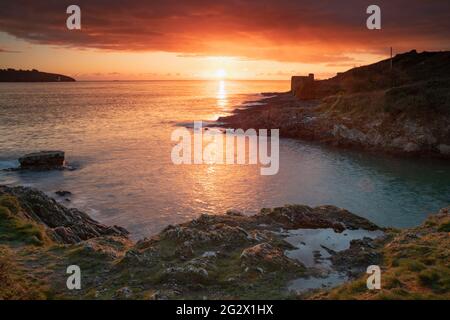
[(399, 134), (404, 110), (264, 257), (301, 216), (62, 224), (43, 160), (225, 256)]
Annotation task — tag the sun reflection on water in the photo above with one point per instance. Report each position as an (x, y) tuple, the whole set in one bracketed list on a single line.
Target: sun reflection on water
[(222, 99)]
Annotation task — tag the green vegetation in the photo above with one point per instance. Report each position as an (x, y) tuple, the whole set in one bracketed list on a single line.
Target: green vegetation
[(416, 266), (416, 263), (424, 99), (419, 98), (14, 283), (14, 228), (364, 104)]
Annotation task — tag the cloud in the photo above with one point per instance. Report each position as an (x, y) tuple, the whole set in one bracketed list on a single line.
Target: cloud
[(300, 31)]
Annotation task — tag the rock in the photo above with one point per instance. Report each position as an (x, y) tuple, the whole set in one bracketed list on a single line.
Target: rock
[(265, 254), (211, 233), (426, 139), (444, 149), (411, 147), (108, 247), (63, 193), (123, 293), (301, 216), (399, 142), (187, 273), (209, 254), (352, 135), (362, 253), (62, 224), (43, 160), (233, 212), (158, 296), (185, 250)]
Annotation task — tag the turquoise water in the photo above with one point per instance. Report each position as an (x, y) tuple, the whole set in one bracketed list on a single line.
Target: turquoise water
[(118, 136)]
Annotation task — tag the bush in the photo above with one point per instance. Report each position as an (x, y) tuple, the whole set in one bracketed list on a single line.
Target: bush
[(429, 278)]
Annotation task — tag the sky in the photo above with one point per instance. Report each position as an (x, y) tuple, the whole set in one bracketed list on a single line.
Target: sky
[(207, 39)]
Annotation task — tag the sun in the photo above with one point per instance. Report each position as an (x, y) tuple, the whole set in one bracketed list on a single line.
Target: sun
[(221, 73)]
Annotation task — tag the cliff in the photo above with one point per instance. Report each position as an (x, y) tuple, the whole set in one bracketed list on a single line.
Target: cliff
[(12, 75)]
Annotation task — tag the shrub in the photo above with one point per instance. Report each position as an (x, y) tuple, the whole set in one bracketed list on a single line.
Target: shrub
[(429, 278)]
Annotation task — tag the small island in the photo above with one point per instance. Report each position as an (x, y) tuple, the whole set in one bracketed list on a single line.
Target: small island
[(12, 75)]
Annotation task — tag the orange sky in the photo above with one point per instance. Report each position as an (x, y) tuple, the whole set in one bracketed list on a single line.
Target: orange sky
[(203, 39)]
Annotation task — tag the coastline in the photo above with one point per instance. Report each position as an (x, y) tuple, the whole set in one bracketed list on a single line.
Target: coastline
[(228, 256), (312, 120)]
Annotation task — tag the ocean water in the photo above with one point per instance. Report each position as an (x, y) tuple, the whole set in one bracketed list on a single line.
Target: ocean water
[(118, 136)]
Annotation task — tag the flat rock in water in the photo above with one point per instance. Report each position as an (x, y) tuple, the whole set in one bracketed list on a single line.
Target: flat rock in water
[(43, 160)]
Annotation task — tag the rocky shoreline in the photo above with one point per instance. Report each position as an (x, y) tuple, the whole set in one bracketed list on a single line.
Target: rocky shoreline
[(316, 120), (288, 252)]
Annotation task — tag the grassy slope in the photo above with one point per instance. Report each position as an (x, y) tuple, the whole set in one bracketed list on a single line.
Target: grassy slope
[(418, 100), (16, 282), (416, 266), (418, 85)]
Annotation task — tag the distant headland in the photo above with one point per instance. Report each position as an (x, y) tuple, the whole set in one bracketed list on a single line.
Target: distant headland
[(399, 106), (12, 75)]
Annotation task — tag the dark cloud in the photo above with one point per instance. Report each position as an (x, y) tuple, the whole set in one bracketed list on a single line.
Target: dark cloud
[(300, 30)]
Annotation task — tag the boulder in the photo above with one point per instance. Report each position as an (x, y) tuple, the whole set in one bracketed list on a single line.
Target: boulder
[(264, 254), (411, 147), (444, 149), (63, 193), (43, 160)]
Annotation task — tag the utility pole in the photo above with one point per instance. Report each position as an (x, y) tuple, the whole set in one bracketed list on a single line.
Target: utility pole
[(391, 59)]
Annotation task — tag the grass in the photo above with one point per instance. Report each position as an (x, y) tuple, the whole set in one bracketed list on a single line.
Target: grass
[(16, 228), (415, 100), (14, 281), (416, 266), (419, 98), (353, 104)]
